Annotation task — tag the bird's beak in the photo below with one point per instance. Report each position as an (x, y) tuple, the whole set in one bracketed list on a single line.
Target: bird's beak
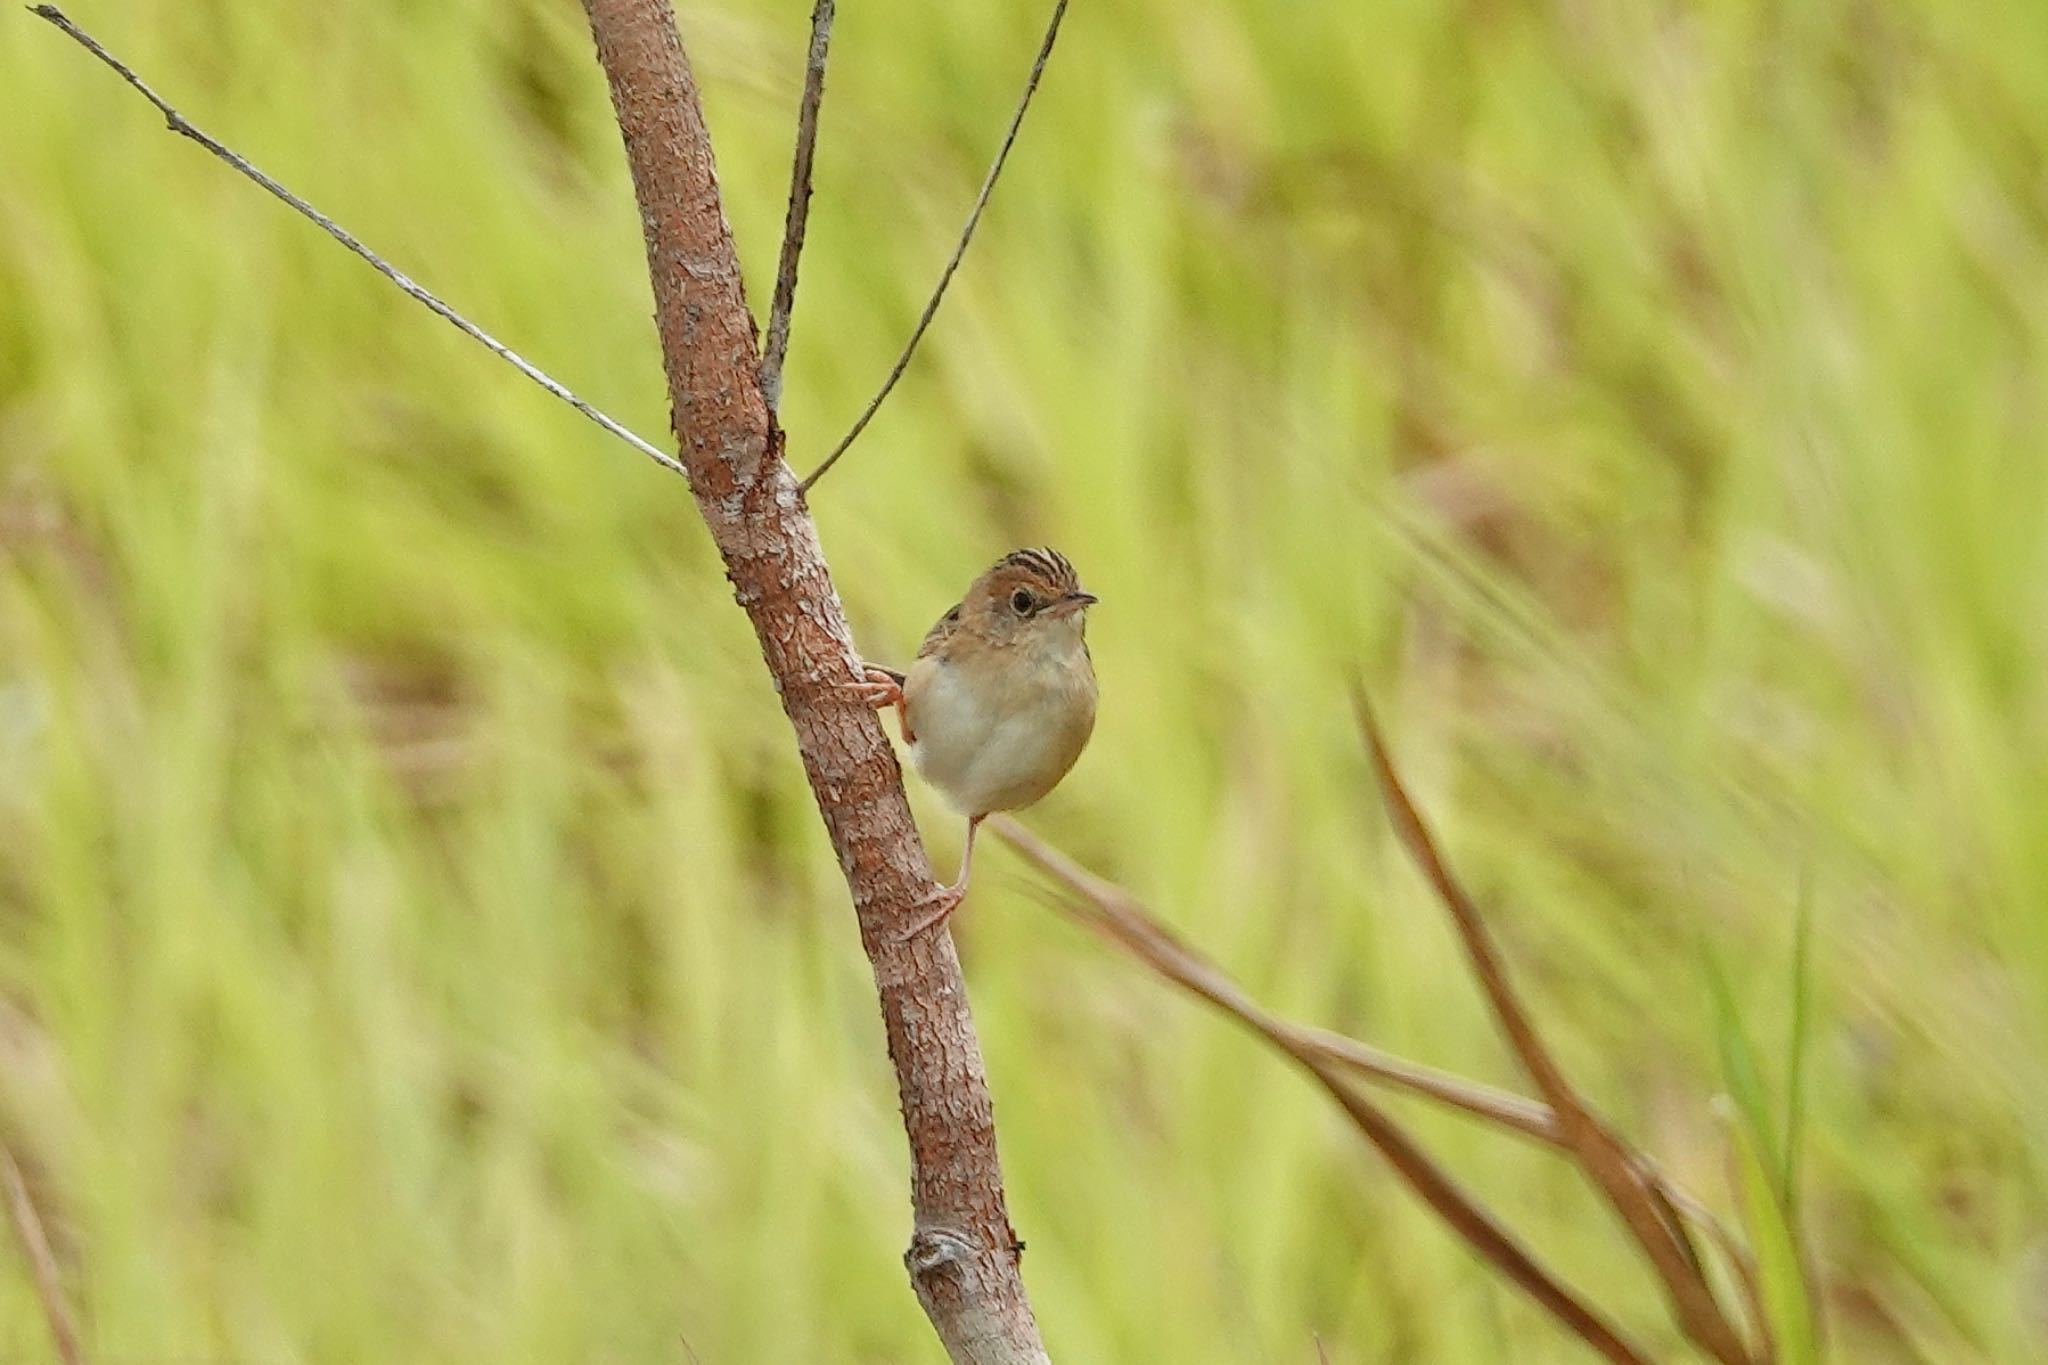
[(1073, 602)]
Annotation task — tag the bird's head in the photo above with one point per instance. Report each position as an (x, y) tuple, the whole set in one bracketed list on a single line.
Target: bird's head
[(1029, 597)]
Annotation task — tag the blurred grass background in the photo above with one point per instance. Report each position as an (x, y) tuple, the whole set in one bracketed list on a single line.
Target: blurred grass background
[(416, 940)]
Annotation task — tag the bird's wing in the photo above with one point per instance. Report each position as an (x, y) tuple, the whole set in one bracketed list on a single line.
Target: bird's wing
[(936, 636)]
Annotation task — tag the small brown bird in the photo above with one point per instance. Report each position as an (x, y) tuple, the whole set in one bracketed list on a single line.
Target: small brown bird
[(1001, 699)]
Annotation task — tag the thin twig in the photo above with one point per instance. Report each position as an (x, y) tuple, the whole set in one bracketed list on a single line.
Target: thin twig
[(777, 347), (931, 308), (1614, 1169), (181, 125), (35, 1244)]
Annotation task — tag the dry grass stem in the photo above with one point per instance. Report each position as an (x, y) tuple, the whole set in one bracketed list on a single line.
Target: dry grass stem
[(35, 1244), (1615, 1170), (1127, 922), (1116, 913)]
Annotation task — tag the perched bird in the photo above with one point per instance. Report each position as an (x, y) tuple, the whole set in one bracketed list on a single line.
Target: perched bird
[(1001, 699)]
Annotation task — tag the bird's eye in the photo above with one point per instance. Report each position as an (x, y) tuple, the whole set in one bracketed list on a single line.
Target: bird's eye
[(1021, 602)]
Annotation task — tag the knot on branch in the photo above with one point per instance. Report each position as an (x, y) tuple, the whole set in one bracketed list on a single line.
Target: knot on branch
[(938, 1251)]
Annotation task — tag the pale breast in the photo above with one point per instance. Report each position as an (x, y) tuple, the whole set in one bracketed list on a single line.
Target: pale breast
[(998, 738)]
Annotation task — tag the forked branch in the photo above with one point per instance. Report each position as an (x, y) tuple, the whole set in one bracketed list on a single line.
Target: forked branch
[(963, 1257)]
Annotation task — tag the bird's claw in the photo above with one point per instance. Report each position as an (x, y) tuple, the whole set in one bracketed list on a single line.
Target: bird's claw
[(877, 687), (881, 696), (938, 906)]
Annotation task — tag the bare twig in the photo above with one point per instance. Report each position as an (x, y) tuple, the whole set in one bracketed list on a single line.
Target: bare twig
[(963, 1257), (1615, 1170), (931, 308), (35, 1244), (777, 347), (181, 125)]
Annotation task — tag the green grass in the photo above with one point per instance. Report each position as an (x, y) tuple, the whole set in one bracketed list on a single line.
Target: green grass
[(417, 943)]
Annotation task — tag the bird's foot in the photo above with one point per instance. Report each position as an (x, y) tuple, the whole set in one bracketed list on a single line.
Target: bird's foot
[(878, 687), (935, 909)]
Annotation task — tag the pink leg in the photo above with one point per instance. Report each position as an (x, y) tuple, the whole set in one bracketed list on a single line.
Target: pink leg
[(944, 901)]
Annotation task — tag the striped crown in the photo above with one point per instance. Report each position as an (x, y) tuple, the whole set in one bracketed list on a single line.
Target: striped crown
[(1047, 565)]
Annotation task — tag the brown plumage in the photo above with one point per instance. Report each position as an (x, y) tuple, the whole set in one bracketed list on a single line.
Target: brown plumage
[(1001, 699)]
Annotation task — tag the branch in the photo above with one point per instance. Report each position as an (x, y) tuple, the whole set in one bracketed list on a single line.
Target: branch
[(963, 1254), (181, 125), (1615, 1170), (988, 185), (799, 204), (35, 1244)]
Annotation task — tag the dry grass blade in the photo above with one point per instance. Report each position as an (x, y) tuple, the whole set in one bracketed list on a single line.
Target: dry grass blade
[(1615, 1169), (1114, 912), (35, 1244), (1469, 1220), (1500, 1107), (1120, 916)]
